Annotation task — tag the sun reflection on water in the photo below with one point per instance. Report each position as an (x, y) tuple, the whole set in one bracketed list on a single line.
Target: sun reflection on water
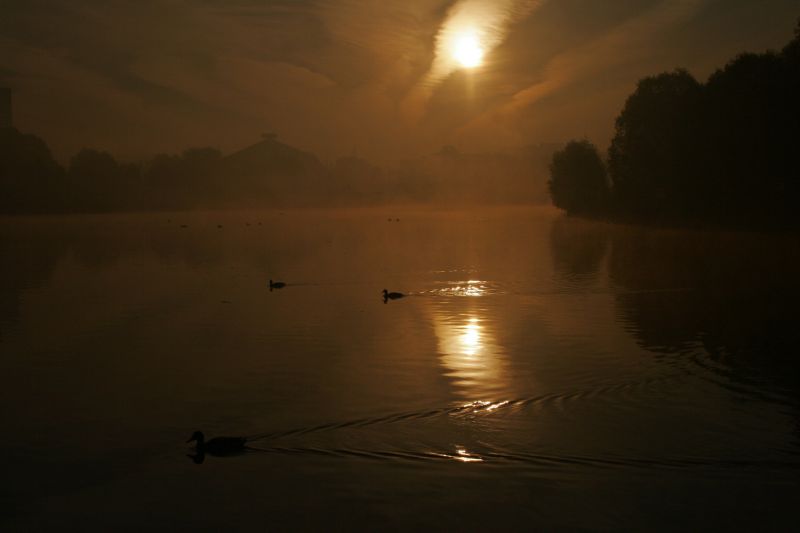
[(470, 340), (461, 454), (474, 288), (468, 351), (471, 288), (465, 457)]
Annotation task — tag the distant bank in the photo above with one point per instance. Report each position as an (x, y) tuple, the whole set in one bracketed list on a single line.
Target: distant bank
[(267, 174)]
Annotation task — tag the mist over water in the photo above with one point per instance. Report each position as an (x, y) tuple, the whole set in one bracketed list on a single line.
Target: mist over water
[(542, 372)]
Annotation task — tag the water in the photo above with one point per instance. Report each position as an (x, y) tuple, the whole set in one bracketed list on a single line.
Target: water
[(542, 373)]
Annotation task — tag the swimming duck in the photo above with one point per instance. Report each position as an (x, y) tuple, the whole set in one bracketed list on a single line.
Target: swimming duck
[(392, 295), (276, 284), (218, 445)]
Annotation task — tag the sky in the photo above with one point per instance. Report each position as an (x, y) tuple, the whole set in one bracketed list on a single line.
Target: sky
[(376, 78)]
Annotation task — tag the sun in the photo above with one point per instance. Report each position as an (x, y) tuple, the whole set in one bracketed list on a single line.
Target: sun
[(467, 50)]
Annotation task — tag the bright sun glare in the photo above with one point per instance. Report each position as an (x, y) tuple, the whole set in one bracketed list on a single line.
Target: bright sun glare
[(467, 51)]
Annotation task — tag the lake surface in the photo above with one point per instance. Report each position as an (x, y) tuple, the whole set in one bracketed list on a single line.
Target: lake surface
[(543, 373)]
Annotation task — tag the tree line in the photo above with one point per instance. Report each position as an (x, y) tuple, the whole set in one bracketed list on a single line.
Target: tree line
[(32, 181), (722, 152), (266, 174)]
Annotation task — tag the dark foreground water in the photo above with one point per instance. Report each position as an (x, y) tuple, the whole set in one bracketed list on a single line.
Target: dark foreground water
[(543, 373)]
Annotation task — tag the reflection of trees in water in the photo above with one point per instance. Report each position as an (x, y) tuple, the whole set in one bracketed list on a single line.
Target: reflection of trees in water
[(31, 248), (578, 248), (26, 260), (735, 294)]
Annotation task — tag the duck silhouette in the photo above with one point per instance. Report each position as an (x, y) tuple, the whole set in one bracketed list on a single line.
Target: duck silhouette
[(392, 295), (218, 446), (276, 284)]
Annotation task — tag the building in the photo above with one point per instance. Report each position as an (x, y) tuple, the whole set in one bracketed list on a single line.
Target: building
[(5, 108)]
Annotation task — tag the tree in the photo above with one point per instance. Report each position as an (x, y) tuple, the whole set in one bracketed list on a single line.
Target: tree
[(578, 182), (200, 179), (654, 156), (792, 50), (191, 179), (99, 183), (749, 127), (30, 179), (355, 180)]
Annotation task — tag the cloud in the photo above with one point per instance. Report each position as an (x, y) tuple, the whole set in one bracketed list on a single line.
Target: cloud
[(616, 48), (489, 21), (329, 76)]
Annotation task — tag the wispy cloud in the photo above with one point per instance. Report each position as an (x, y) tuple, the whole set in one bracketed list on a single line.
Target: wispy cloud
[(489, 21), (333, 75), (620, 46)]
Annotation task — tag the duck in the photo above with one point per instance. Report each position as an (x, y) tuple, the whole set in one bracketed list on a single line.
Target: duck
[(276, 284), (218, 445), (392, 295)]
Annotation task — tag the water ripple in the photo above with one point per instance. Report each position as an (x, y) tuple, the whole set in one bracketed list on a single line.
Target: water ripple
[(479, 407), (460, 454)]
